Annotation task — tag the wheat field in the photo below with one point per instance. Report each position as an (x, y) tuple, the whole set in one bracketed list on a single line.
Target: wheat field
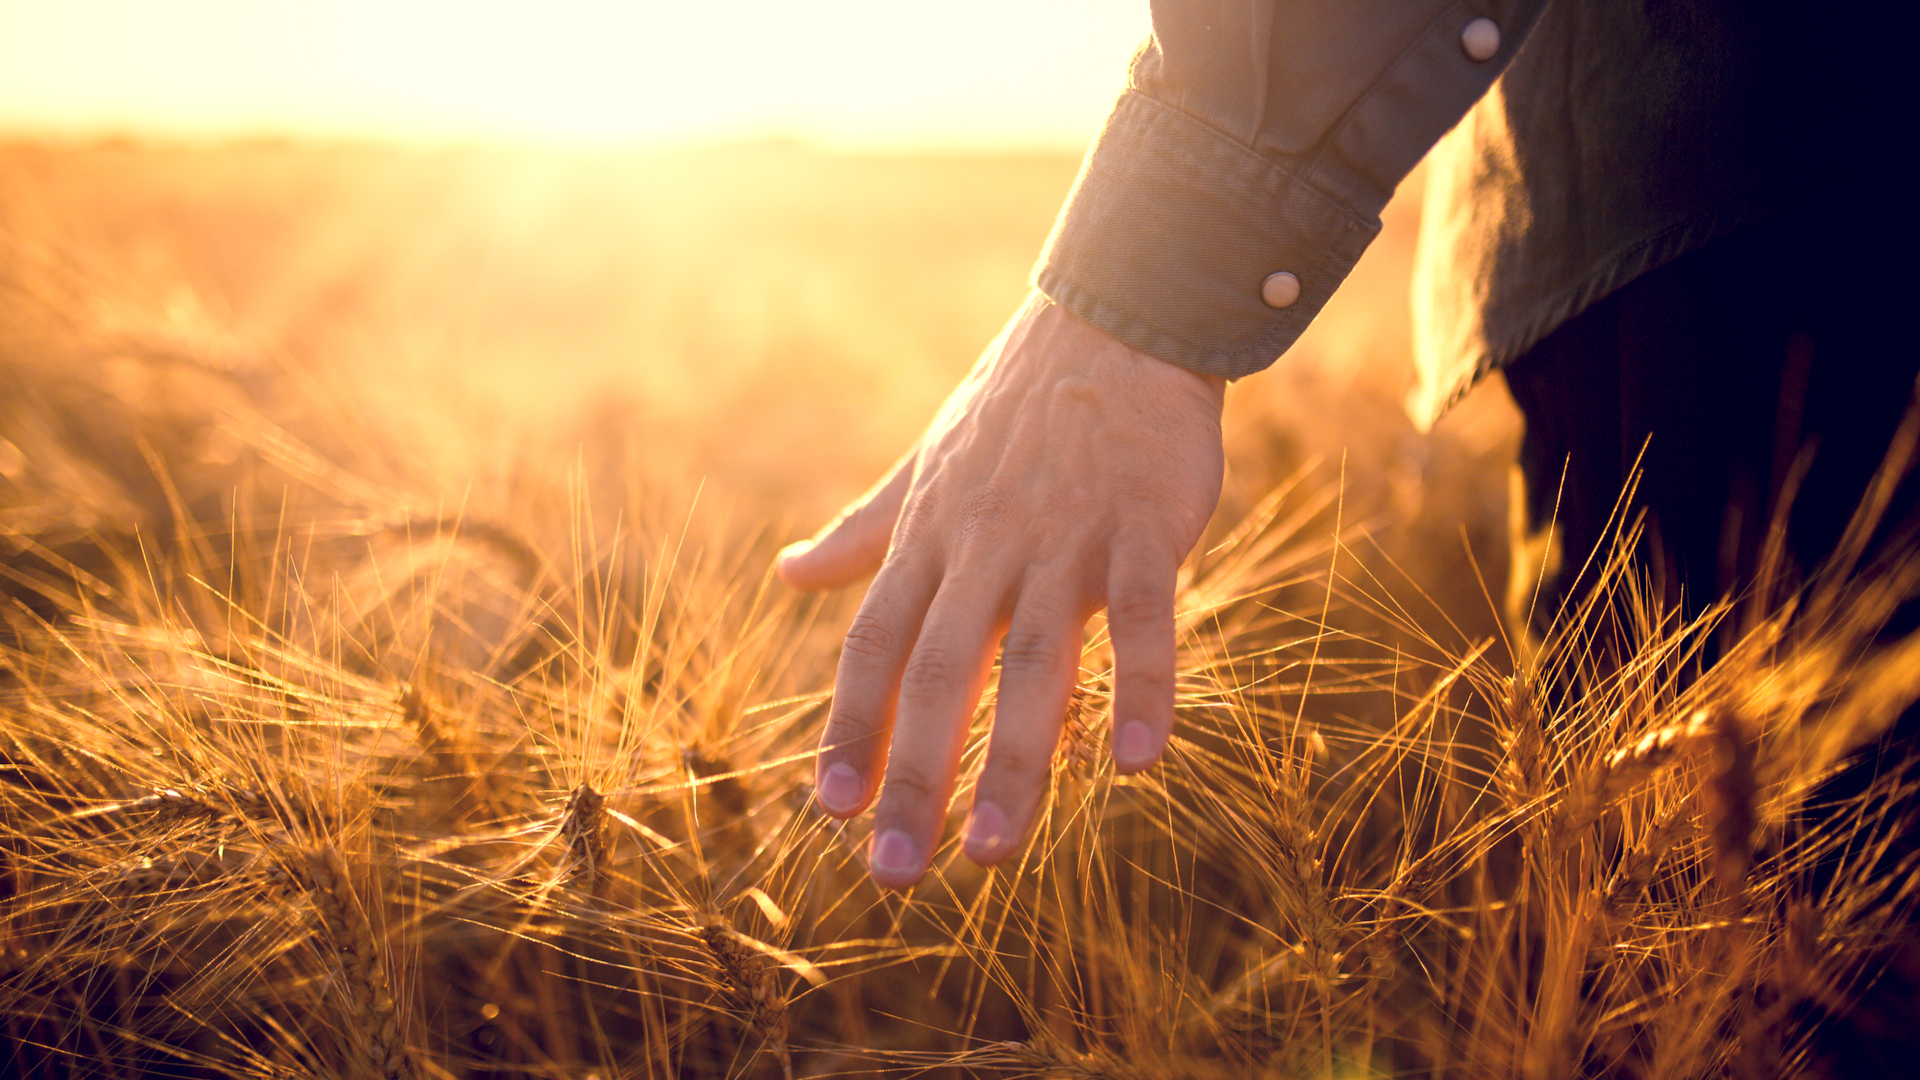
[(392, 680)]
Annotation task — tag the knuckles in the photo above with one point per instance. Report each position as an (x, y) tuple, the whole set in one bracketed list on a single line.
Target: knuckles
[(932, 671), (1135, 604), (1030, 650), (1016, 767), (869, 638), (983, 518), (908, 785), (849, 728)]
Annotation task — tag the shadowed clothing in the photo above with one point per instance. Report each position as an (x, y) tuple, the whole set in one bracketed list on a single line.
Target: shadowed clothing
[(1662, 219), (1746, 411), (1595, 141)]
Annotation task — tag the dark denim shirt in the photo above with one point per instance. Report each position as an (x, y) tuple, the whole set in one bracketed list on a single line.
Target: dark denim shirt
[(1599, 139)]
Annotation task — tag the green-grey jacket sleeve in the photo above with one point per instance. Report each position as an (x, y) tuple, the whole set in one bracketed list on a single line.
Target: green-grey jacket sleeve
[(1254, 138)]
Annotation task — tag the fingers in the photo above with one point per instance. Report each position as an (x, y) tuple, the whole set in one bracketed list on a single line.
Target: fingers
[(1038, 667), (855, 543), (867, 685), (1140, 585), (911, 672), (1039, 663), (938, 688)]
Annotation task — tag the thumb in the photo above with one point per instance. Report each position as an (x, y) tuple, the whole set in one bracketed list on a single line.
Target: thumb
[(855, 543)]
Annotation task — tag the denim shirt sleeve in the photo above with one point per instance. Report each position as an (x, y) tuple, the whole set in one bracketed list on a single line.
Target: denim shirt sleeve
[(1252, 138)]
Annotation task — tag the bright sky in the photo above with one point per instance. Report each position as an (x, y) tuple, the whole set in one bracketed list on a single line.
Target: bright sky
[(981, 72)]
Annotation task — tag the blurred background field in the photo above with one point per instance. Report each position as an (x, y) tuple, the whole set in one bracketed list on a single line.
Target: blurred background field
[(772, 322)]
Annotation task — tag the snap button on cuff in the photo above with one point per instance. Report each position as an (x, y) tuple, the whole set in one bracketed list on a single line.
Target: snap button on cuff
[(1480, 40), (1280, 290)]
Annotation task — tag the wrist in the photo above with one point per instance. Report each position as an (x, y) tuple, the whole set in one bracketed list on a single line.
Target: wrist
[(1050, 319)]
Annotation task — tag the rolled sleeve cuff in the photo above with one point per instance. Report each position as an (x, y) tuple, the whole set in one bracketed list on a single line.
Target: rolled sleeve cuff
[(1170, 231)]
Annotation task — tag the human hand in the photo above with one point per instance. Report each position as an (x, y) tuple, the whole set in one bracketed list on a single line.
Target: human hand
[(1068, 472)]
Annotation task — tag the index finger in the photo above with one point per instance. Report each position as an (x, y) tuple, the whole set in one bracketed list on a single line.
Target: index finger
[(866, 686)]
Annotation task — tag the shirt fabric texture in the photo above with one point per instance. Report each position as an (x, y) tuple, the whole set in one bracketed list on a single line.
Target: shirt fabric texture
[(1599, 141)]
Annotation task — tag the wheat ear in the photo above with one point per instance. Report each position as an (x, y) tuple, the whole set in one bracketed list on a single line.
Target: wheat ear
[(373, 1021), (448, 750), (585, 829), (1626, 768), (748, 976)]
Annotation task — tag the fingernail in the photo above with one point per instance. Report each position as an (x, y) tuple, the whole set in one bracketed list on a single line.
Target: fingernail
[(986, 830), (1134, 747), (840, 789), (894, 853)]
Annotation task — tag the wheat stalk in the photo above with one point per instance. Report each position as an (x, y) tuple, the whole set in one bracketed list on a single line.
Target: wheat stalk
[(1047, 1057), (1735, 793), (1602, 788), (1635, 872), (748, 978), (1522, 775), (583, 827), (372, 1020), (1081, 747), (449, 752)]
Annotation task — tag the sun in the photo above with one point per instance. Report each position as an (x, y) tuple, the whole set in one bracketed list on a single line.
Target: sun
[(992, 72)]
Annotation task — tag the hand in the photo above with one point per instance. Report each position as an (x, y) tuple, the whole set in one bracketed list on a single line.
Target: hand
[(1068, 472)]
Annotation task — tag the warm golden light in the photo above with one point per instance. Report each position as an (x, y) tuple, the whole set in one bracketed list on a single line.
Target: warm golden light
[(994, 72)]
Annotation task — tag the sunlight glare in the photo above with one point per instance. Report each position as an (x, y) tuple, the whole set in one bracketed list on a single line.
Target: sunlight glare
[(1039, 72)]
